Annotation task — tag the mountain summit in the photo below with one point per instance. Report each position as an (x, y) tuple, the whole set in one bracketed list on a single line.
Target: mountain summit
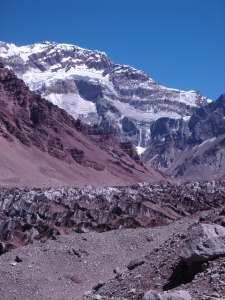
[(88, 85)]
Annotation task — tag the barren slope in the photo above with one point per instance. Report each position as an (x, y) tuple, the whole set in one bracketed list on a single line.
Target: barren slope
[(41, 145), (68, 267)]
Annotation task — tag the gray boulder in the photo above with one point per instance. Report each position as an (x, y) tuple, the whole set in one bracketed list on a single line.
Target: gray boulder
[(177, 295), (151, 295), (204, 242)]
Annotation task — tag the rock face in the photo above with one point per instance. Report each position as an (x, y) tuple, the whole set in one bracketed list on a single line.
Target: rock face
[(41, 145), (205, 242), (191, 149), (88, 85)]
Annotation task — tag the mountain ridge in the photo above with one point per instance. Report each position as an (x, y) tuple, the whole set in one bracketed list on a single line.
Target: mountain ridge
[(88, 85)]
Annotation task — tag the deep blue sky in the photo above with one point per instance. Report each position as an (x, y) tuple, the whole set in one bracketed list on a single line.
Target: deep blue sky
[(179, 43)]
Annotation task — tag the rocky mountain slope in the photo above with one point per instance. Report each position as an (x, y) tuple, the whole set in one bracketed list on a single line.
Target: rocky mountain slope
[(193, 149), (41, 145), (88, 85)]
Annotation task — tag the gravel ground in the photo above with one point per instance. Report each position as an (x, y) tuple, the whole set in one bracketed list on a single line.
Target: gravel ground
[(66, 268)]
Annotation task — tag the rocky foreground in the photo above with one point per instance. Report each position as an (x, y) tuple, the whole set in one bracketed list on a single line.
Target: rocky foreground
[(145, 241), (39, 214)]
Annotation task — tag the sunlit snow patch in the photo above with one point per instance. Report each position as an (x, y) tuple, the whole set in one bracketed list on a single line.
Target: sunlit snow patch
[(73, 104), (140, 149)]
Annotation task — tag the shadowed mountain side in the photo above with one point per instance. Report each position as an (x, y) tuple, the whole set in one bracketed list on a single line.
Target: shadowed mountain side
[(193, 149)]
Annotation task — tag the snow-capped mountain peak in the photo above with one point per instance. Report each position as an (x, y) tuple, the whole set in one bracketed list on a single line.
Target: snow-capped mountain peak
[(89, 85)]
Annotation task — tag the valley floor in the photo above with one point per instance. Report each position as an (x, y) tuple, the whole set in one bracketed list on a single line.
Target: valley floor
[(114, 243), (67, 268)]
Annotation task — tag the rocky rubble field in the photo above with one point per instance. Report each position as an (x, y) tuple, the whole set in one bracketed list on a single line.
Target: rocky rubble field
[(39, 214), (145, 241), (188, 265), (71, 265)]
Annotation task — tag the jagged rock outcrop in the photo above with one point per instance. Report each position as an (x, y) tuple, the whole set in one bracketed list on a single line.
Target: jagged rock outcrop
[(168, 139), (192, 149), (42, 145), (88, 85)]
